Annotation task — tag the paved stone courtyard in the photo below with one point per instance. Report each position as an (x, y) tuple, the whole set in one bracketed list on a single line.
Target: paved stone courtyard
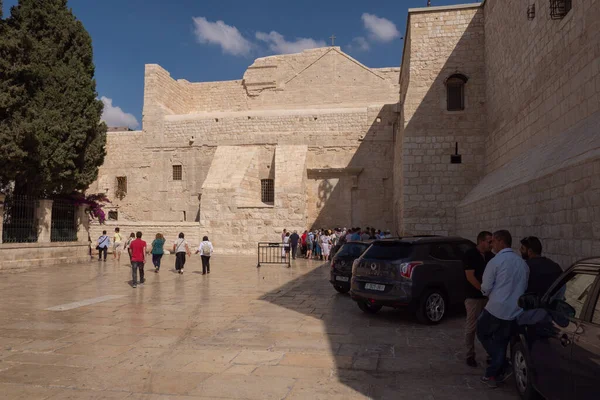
[(238, 333)]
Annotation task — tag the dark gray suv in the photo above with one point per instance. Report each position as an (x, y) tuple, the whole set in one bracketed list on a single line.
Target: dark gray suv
[(425, 274)]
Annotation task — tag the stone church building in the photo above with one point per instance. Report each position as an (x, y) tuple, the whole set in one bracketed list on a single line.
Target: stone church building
[(492, 121)]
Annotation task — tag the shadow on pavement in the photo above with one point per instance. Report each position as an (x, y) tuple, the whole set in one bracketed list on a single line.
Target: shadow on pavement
[(387, 355)]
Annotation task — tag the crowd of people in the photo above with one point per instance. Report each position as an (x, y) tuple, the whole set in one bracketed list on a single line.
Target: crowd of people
[(497, 277), (318, 244), (137, 249)]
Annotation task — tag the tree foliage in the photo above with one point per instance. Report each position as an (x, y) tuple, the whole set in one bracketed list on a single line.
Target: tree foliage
[(51, 138)]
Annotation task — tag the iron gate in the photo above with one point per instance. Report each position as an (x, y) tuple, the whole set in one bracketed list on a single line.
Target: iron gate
[(274, 253)]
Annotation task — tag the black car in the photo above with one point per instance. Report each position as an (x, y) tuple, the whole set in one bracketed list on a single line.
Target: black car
[(341, 264), (557, 351), (425, 274)]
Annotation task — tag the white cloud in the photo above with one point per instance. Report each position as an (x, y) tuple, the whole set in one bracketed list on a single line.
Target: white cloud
[(114, 116), (226, 36), (359, 44), (380, 29), (279, 45)]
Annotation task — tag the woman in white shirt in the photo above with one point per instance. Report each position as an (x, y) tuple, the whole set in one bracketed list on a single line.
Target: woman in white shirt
[(325, 243), (205, 249), (180, 248)]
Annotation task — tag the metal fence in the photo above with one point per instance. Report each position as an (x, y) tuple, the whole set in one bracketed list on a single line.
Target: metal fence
[(19, 224), (64, 221), (274, 253)]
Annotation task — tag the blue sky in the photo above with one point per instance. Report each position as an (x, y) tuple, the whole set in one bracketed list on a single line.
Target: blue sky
[(185, 37)]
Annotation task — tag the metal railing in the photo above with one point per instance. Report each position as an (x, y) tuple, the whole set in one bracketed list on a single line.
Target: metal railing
[(19, 224), (64, 221), (274, 253)]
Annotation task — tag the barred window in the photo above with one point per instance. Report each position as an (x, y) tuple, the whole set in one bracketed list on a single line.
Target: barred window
[(177, 172), (559, 8), (455, 88), (267, 191), (113, 215), (121, 187)]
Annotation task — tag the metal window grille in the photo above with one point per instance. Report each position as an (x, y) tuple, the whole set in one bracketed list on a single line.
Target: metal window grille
[(455, 94), (113, 215), (267, 193), (19, 224), (64, 221), (177, 172), (121, 187), (560, 8)]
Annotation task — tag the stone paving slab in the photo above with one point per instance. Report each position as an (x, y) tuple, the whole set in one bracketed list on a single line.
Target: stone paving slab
[(238, 333)]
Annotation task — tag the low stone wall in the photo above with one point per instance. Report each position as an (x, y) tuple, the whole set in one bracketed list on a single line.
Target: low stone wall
[(170, 231), (16, 257)]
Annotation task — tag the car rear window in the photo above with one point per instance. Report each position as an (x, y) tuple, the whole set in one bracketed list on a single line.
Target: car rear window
[(389, 251), (352, 250)]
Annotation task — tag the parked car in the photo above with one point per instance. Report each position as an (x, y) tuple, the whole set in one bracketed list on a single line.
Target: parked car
[(558, 356), (425, 274), (341, 264)]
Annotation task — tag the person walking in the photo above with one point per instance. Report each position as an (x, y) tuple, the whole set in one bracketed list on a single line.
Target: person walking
[(543, 272), (205, 249), (504, 281), (117, 245), (474, 261), (130, 239), (138, 259), (103, 242), (157, 251), (294, 240), (286, 245), (180, 248)]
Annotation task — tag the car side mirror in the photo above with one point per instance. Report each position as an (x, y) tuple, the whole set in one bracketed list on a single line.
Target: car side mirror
[(529, 301), (563, 308)]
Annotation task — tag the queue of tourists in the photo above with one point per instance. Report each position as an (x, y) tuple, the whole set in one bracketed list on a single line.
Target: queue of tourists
[(138, 249), (317, 244)]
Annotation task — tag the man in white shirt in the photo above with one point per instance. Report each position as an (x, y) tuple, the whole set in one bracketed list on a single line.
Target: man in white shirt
[(504, 281), (205, 249)]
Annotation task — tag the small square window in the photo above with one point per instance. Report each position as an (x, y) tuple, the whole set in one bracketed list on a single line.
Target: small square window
[(560, 8), (177, 172), (113, 215), (267, 191)]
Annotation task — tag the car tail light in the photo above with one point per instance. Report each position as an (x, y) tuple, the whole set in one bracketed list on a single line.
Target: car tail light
[(332, 264), (406, 269)]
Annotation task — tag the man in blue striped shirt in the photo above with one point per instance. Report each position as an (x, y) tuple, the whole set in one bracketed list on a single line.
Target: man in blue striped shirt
[(504, 281)]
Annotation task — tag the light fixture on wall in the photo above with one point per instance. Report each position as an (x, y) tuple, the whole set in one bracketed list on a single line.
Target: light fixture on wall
[(456, 158)]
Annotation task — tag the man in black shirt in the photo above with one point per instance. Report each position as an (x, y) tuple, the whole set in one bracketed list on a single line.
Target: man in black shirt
[(474, 262), (294, 239), (543, 272)]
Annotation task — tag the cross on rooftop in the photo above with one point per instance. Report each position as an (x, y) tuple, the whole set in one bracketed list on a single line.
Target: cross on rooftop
[(332, 37)]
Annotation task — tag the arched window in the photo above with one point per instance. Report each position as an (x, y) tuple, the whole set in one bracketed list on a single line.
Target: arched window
[(455, 92)]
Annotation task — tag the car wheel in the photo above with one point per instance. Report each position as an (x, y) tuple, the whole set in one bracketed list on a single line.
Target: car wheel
[(523, 375), (341, 289), (432, 307), (368, 308)]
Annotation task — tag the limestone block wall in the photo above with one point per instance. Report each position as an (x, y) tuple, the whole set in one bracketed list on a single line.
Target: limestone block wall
[(152, 194), (543, 125), (542, 76), (441, 42)]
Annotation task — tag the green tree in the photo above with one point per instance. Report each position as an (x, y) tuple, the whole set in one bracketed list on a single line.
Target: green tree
[(51, 138)]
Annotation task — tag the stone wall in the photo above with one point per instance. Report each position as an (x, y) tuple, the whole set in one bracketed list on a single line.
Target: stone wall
[(542, 76), (441, 42), (19, 257), (229, 135), (542, 157)]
